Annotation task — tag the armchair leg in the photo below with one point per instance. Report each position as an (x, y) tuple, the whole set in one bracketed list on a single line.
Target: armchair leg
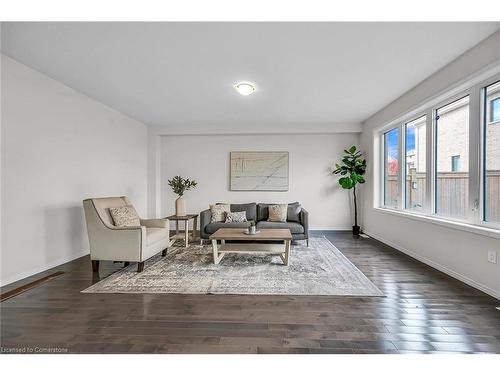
[(201, 241), (307, 241), (140, 266), (164, 253), (95, 266)]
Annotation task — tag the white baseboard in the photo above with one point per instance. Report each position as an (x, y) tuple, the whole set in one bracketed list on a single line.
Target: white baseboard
[(43, 268), (330, 228), (439, 267)]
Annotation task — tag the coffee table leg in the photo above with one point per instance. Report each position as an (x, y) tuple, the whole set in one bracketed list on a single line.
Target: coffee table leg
[(287, 252), (214, 248), (186, 233)]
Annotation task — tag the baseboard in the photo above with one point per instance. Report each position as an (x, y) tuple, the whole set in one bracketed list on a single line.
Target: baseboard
[(43, 268), (330, 228), (439, 267)]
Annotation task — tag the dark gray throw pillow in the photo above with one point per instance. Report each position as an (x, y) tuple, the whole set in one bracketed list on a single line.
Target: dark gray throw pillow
[(293, 211)]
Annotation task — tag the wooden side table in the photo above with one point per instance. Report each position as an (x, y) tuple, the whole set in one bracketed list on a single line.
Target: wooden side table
[(185, 235)]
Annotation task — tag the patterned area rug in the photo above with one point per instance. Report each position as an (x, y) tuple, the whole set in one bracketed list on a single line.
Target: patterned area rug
[(320, 269)]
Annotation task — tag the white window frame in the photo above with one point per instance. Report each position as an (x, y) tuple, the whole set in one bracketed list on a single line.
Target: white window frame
[(472, 158), (382, 139), (426, 208), (475, 88), (482, 151)]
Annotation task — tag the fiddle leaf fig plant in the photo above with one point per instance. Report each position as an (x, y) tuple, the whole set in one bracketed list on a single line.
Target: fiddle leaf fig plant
[(352, 169)]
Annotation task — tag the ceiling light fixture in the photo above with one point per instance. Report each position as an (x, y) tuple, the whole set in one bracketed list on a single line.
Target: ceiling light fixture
[(245, 88)]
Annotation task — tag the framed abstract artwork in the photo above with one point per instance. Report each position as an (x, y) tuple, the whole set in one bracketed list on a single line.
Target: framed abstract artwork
[(259, 171)]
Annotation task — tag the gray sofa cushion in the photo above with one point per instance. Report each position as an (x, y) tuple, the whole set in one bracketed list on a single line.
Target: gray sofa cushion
[(293, 211), (249, 208), (295, 228), (212, 227)]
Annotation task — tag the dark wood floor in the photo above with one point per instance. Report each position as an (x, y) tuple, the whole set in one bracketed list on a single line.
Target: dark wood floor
[(424, 311)]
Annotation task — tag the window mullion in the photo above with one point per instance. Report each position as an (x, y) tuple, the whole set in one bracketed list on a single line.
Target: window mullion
[(401, 167), (474, 154), (482, 155), (429, 162)]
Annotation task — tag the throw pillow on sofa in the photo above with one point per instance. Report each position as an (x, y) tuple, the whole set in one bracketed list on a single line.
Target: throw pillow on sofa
[(293, 214), (278, 212), (218, 212), (125, 216), (236, 217), (294, 210)]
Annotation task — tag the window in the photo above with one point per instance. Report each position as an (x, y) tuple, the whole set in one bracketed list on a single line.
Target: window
[(391, 168), (415, 169), (455, 163), (452, 138), (445, 163), (495, 109), (491, 163)]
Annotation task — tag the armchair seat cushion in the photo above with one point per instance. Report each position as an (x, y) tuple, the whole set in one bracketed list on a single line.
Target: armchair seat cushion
[(155, 223), (154, 235), (213, 227), (295, 228)]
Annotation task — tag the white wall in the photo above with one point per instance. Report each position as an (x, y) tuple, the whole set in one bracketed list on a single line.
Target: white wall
[(459, 253), (59, 147), (205, 158)]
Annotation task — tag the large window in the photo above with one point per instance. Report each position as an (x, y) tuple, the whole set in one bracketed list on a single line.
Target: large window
[(391, 169), (452, 162), (448, 157), (492, 154), (415, 179)]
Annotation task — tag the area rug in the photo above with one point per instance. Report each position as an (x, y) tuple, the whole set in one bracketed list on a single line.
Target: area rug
[(318, 270)]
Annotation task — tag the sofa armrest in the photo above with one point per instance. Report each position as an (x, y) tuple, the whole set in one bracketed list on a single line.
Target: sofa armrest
[(304, 220), (155, 223), (205, 219)]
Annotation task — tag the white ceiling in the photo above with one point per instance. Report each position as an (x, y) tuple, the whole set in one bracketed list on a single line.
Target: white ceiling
[(182, 73)]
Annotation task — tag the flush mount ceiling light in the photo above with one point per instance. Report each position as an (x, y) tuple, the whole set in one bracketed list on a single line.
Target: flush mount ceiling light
[(245, 88)]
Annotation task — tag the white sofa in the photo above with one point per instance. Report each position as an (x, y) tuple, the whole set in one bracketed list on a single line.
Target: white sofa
[(127, 244)]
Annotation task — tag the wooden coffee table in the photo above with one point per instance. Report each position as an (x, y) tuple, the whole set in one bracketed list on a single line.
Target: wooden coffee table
[(259, 247)]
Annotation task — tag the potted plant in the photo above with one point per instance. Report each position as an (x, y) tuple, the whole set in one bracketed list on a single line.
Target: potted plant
[(180, 185), (353, 168), (252, 229)]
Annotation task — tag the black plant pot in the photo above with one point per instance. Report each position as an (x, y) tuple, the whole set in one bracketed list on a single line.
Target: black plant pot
[(355, 230)]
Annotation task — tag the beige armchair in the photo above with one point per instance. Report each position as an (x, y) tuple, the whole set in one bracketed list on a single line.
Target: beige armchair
[(127, 244)]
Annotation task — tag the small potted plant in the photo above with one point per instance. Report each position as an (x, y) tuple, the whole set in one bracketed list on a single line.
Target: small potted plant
[(353, 168), (252, 229), (180, 185)]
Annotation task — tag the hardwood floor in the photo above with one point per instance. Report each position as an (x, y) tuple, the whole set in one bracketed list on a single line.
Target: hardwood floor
[(424, 311)]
